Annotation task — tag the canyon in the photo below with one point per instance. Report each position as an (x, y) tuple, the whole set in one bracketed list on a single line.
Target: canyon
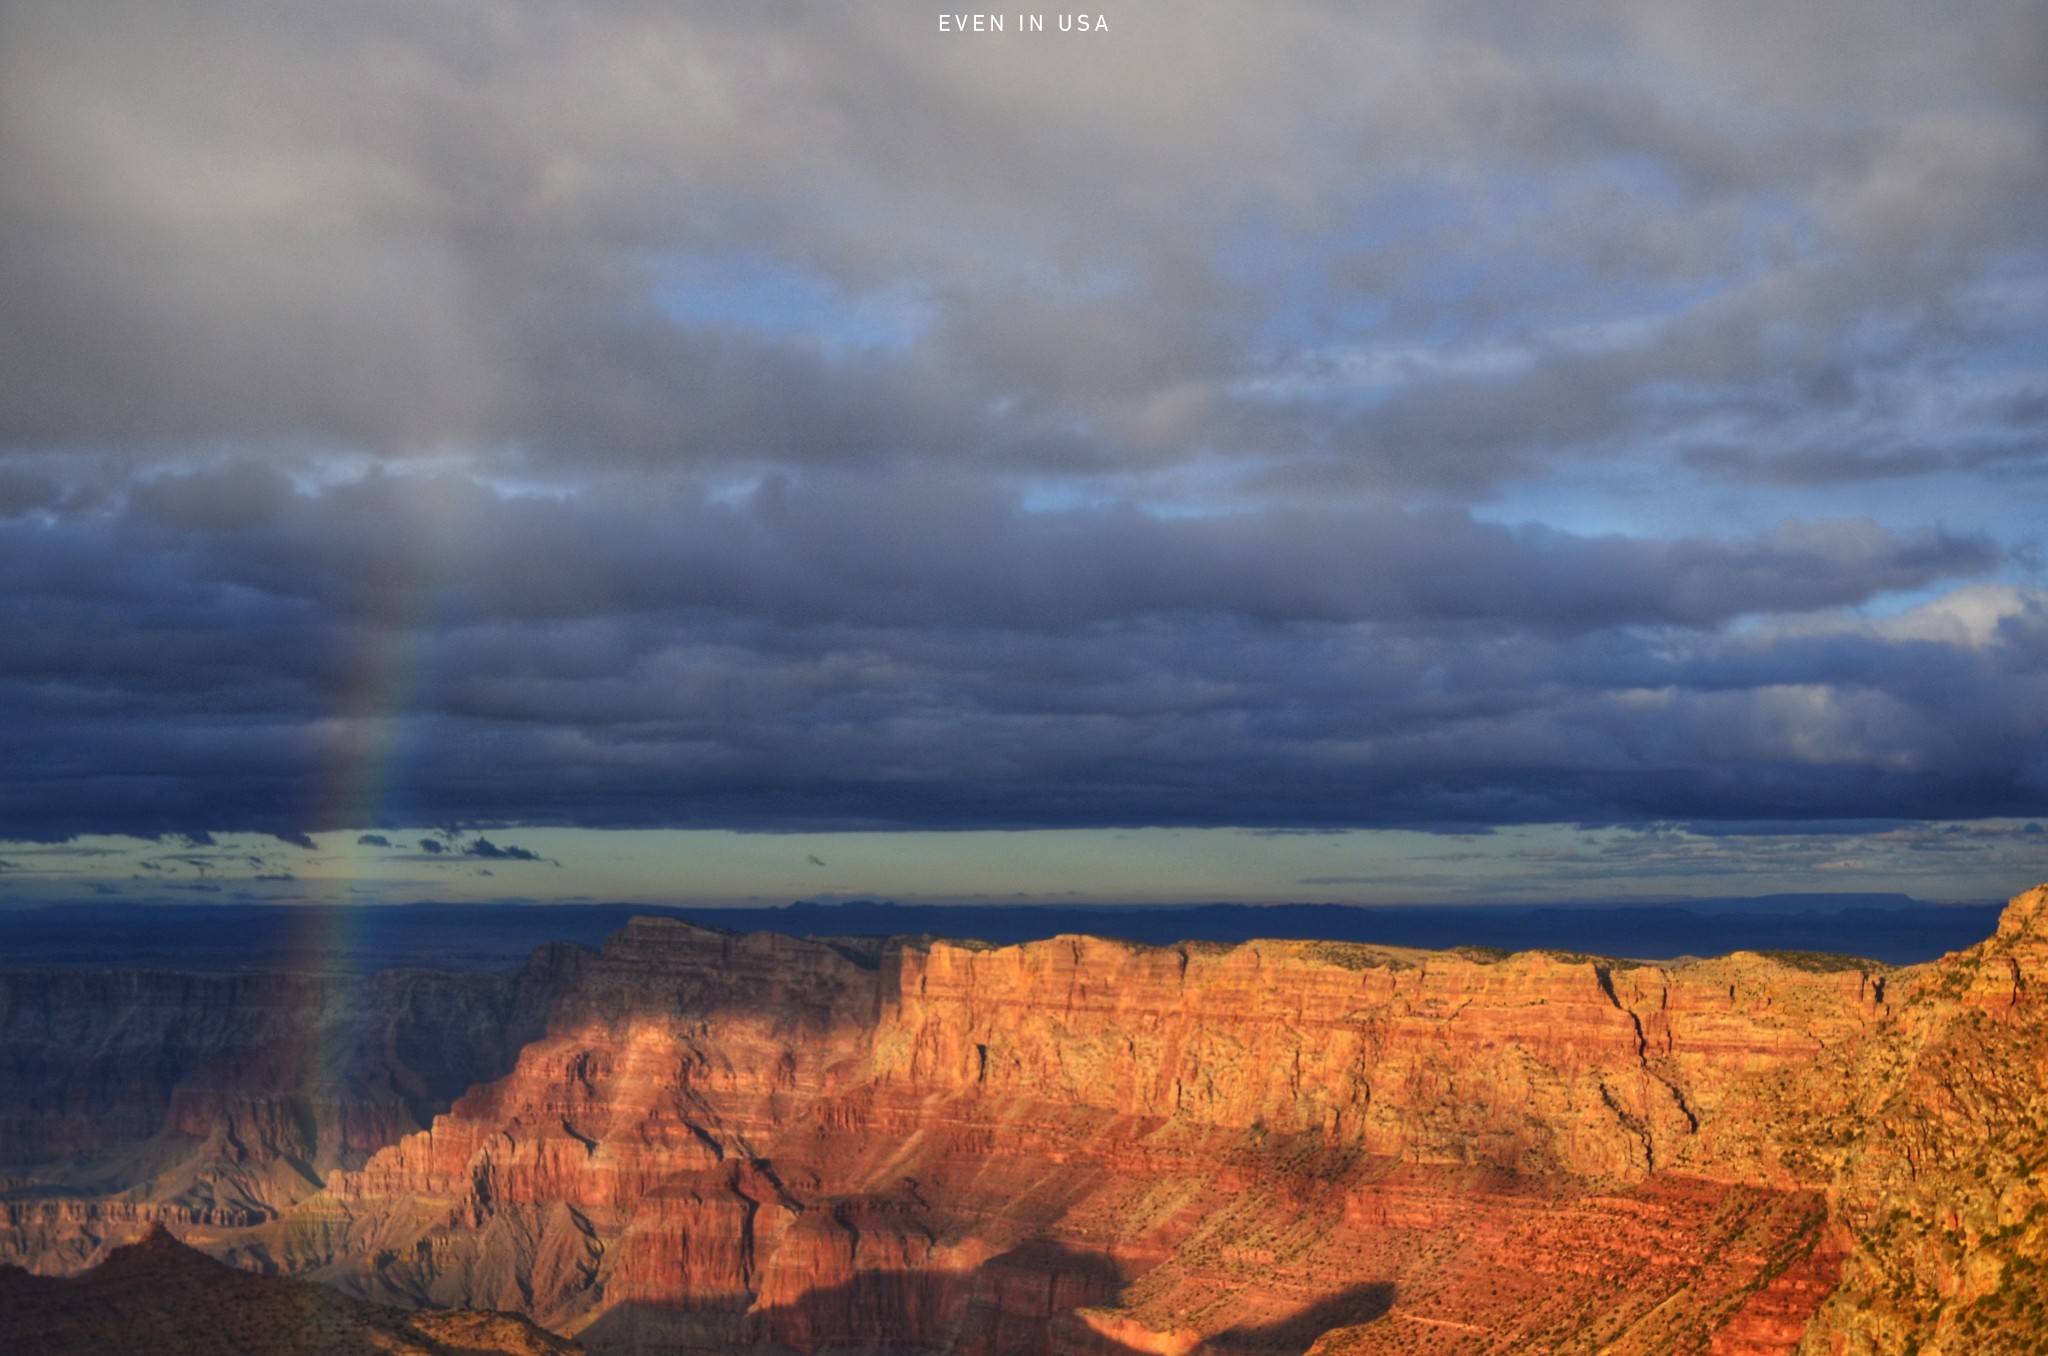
[(696, 1141), (157, 1295)]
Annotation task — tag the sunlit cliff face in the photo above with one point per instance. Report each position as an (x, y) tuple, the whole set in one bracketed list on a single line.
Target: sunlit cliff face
[(1084, 1146)]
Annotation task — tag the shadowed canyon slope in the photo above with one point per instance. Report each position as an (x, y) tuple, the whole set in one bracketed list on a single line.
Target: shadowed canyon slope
[(717, 1142), (157, 1295), (133, 1096)]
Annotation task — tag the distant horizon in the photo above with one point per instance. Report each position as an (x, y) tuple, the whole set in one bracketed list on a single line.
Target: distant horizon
[(1532, 864), (503, 936), (1779, 900)]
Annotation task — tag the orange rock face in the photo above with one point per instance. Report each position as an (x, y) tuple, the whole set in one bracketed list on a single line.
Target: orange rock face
[(1940, 1159), (1079, 1146)]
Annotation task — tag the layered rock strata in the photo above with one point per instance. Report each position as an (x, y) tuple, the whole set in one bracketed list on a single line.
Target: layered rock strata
[(1080, 1145), (754, 1142), (132, 1097), (1934, 1142)]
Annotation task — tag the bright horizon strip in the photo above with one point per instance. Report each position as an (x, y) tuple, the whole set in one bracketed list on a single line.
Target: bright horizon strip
[(1974, 861)]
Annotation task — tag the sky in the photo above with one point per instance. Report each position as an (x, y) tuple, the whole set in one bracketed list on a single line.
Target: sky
[(756, 449)]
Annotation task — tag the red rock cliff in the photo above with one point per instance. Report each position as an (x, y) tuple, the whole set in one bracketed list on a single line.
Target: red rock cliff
[(1079, 1146), (753, 1139)]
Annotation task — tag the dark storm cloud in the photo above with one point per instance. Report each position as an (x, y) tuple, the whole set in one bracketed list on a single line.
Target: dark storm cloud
[(22, 490), (510, 852), (767, 416), (894, 547), (1420, 669)]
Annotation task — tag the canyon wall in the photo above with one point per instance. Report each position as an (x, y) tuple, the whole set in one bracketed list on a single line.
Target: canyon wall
[(1081, 1145), (1935, 1142), (715, 1143), (130, 1097)]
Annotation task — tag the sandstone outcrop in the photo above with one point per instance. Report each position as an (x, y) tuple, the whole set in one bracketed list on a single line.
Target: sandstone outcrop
[(718, 1143), (754, 1140), (1939, 1168)]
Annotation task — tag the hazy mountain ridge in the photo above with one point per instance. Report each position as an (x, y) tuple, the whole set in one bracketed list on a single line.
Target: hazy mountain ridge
[(498, 938)]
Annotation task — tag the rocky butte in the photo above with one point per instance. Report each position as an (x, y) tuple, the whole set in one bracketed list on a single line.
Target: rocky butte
[(699, 1142)]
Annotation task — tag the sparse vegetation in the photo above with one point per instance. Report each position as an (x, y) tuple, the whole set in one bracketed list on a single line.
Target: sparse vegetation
[(1351, 956), (1825, 962)]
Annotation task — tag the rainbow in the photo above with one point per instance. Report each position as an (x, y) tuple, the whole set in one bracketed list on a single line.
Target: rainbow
[(369, 764)]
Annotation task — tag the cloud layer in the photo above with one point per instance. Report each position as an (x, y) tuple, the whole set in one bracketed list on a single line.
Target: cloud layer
[(782, 416)]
